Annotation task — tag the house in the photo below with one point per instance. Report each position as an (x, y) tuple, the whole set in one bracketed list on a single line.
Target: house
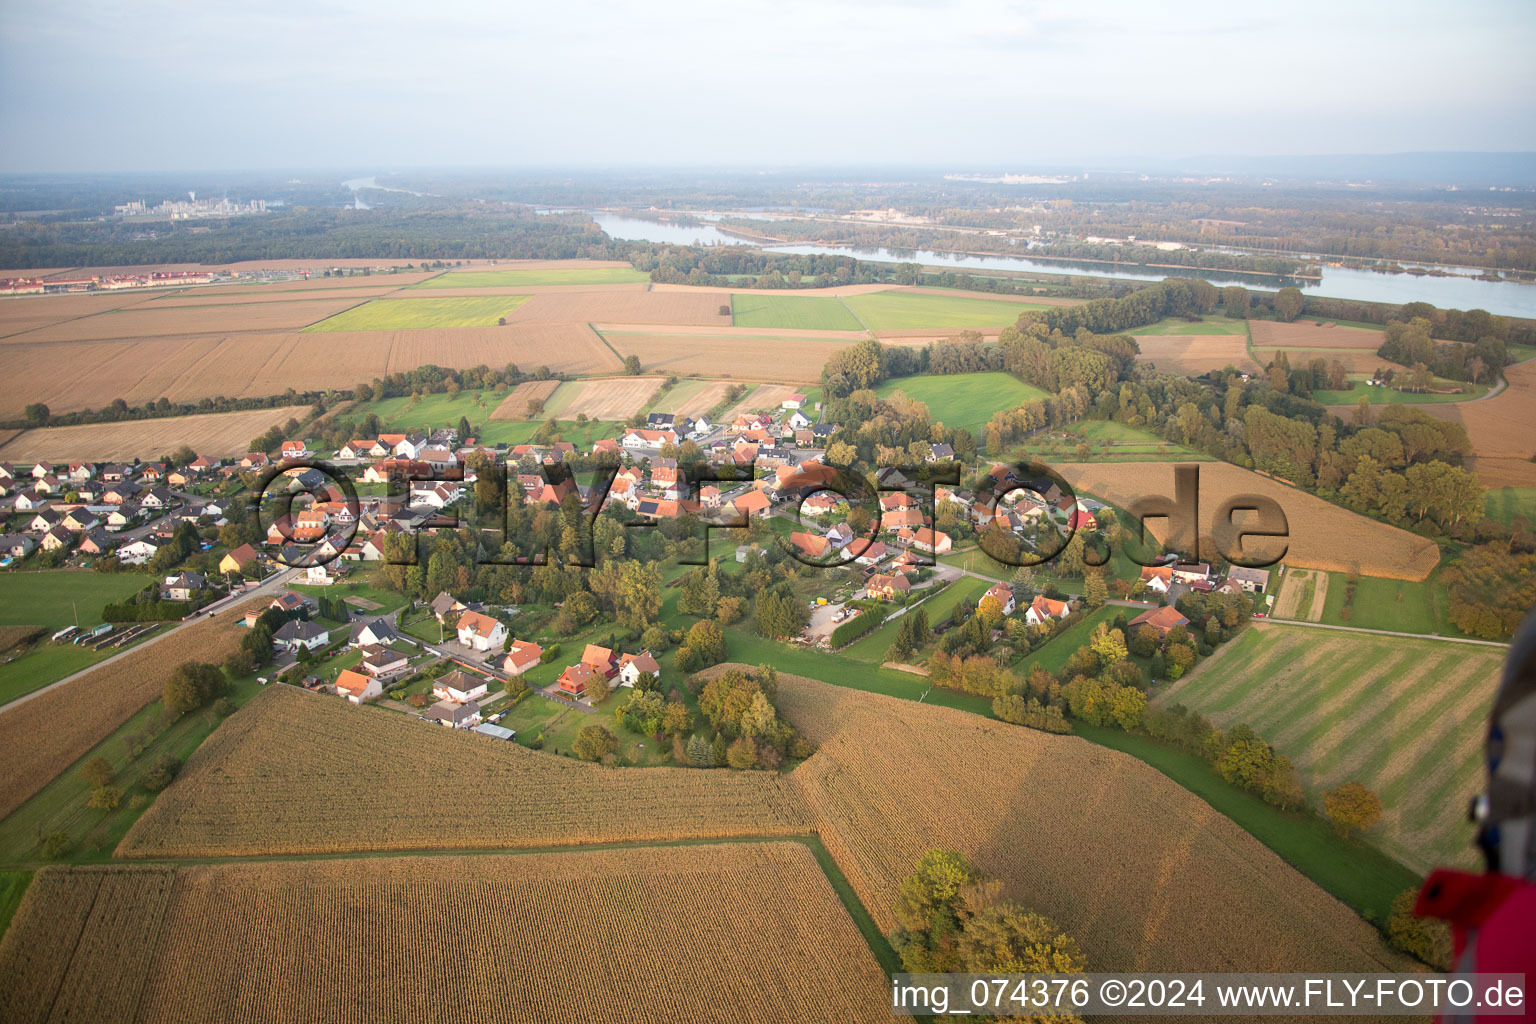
[(184, 586), (290, 603), (137, 553), (79, 521), (1043, 609), (753, 502), (932, 541), (840, 536), (794, 401), (799, 421), (253, 460), (357, 687), (641, 439), (576, 678), (481, 632), (30, 500), (96, 542), (383, 662), (458, 686), (297, 633), (810, 545), (16, 545), (601, 659), (357, 450), (238, 559), (633, 666), (1003, 594), (1190, 572), (444, 604), (819, 504), (940, 453), (901, 518), (377, 631), (1255, 581), (454, 716), (296, 450), (887, 587), (872, 552), (58, 539), (157, 498), (1161, 619), (521, 656), (1157, 577)]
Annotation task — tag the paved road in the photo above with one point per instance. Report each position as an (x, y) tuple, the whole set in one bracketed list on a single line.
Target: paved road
[(269, 586), (1386, 632)]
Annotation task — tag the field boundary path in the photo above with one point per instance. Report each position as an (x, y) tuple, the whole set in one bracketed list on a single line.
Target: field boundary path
[(1384, 632), (267, 585)]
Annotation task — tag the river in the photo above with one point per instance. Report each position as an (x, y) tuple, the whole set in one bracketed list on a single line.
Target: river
[(1506, 298)]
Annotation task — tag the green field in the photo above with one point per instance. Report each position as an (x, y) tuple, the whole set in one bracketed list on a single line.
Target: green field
[(907, 311), (800, 312), (1054, 654), (1404, 717), (404, 413), (1107, 441), (50, 599), (1392, 396), (418, 314), (533, 278), (964, 401), (871, 648), (1397, 605), (1507, 502), (1211, 323)]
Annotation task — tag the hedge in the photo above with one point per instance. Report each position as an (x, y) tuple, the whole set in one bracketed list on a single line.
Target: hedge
[(856, 627)]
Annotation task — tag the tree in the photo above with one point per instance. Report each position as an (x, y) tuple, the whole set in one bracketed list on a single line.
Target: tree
[(36, 414), (639, 594), (1288, 303), (160, 774), (632, 365), (97, 772), (1108, 644), (192, 685), (742, 754), (1423, 937), (933, 891), (1095, 590), (594, 743), (105, 798), (705, 643), (1352, 808), (700, 754), (1235, 301)]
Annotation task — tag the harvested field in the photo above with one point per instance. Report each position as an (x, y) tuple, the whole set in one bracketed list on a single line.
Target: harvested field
[(626, 307), (1322, 536), (186, 369), (236, 795), (891, 779), (609, 398), (794, 359), (564, 277), (1303, 593), (251, 296), (515, 406), (49, 732), (1502, 429), (159, 321), (213, 434), (1194, 354), (741, 334), (763, 398), (415, 314), (526, 289), (1306, 334), (639, 934), (299, 286), (835, 291), (1406, 718), (1353, 360), (693, 398)]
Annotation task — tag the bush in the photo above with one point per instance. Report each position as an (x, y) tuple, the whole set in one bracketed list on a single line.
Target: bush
[(55, 845), (160, 773), (1423, 937), (105, 798)]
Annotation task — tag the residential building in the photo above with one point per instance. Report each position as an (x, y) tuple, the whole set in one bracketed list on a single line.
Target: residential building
[(458, 686), (357, 687), (481, 632), (1043, 609), (521, 656)]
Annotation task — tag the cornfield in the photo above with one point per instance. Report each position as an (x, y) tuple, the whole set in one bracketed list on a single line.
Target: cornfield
[(1147, 876), (45, 735), (373, 780), (748, 932)]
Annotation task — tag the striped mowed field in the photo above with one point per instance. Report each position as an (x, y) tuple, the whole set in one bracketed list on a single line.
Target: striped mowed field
[(1406, 718)]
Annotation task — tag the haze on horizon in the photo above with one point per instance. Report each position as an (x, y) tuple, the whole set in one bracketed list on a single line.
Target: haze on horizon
[(102, 87)]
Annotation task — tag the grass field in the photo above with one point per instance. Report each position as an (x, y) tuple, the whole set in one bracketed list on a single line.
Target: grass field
[(965, 401), (1107, 441), (51, 598), (1211, 323), (1404, 717), (1392, 396), (418, 314), (1401, 606), (1507, 502), (871, 648), (809, 312), (909, 311), (533, 278)]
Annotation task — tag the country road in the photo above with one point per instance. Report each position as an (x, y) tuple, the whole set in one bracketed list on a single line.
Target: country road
[(267, 586)]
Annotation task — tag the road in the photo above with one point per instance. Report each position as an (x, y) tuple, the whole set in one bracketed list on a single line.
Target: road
[(270, 585), (1387, 632)]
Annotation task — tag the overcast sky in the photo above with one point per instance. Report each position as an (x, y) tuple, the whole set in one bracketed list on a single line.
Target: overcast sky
[(100, 85)]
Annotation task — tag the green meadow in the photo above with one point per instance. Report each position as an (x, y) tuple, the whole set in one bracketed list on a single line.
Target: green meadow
[(532, 278), (419, 314), (799, 312), (908, 311), (964, 400)]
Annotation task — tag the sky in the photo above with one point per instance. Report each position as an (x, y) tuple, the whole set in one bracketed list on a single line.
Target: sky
[(98, 85)]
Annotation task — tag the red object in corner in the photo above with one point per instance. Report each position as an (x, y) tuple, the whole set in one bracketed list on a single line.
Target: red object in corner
[(1501, 911)]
